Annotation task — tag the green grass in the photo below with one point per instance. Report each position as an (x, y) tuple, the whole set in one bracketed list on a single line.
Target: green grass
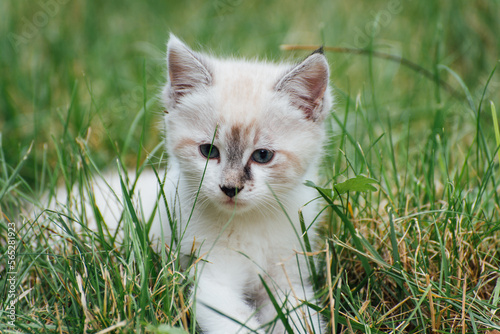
[(420, 254)]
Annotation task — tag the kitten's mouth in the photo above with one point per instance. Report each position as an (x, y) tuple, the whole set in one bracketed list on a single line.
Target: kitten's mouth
[(233, 203)]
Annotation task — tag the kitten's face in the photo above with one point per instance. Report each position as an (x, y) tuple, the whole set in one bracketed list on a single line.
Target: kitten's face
[(264, 122)]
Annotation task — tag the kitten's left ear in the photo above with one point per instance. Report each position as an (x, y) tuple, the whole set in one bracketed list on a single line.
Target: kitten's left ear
[(187, 70), (307, 85)]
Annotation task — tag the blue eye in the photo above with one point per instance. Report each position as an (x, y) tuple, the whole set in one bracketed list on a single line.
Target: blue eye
[(262, 156), (209, 151)]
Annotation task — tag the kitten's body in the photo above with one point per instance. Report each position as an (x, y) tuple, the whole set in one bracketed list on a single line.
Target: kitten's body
[(245, 221)]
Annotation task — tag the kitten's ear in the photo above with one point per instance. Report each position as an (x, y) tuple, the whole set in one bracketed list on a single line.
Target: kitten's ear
[(187, 70), (306, 85)]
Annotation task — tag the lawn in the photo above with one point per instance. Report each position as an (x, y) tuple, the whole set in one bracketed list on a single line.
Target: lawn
[(416, 110)]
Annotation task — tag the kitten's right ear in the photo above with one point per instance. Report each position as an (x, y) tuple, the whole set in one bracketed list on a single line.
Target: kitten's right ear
[(187, 70), (307, 86)]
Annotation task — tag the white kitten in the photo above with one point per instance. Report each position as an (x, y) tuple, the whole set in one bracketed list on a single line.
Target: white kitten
[(237, 201), (265, 122)]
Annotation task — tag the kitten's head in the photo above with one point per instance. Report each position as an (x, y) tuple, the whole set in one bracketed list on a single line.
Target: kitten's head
[(264, 120)]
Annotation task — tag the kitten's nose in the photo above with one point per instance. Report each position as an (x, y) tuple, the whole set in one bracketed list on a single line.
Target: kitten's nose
[(230, 191)]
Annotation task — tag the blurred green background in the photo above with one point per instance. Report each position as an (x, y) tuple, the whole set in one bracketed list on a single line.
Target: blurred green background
[(86, 68)]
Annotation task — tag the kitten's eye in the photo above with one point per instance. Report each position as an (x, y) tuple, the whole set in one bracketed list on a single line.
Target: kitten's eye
[(207, 152), (262, 156)]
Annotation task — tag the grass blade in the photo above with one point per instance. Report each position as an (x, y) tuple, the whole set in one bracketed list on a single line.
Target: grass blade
[(277, 307), (15, 172)]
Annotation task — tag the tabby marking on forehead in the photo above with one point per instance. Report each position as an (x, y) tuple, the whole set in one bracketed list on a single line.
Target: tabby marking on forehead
[(236, 144)]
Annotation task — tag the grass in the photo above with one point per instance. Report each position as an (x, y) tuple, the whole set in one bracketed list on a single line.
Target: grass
[(419, 254)]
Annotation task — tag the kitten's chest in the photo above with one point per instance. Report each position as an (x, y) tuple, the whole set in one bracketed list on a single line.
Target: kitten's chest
[(262, 244)]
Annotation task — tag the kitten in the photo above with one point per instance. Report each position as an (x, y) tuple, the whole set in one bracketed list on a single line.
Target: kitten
[(265, 123), (236, 201)]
